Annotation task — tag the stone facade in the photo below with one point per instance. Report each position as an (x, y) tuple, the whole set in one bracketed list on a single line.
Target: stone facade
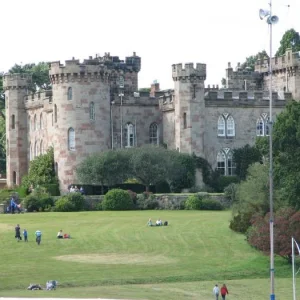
[(92, 102)]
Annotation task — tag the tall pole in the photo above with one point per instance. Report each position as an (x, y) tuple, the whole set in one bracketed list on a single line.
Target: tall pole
[(293, 263), (121, 108), (112, 125), (272, 289)]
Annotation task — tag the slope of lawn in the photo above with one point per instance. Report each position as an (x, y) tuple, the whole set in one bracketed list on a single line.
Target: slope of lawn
[(117, 248)]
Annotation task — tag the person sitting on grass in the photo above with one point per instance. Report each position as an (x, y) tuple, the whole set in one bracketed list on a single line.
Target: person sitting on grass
[(60, 235), (149, 223), (159, 222)]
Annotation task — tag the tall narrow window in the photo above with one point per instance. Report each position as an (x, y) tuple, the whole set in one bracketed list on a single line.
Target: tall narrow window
[(34, 123), (230, 164), (30, 152), (184, 121), (92, 111), (221, 162), (13, 125), (41, 147), (153, 134), (221, 126), (130, 135), (55, 113), (267, 120), (71, 139), (70, 96), (260, 127), (230, 126), (14, 177), (41, 121)]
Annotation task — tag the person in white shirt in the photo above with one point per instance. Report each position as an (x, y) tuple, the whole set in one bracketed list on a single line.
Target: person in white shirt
[(216, 291), (60, 234), (38, 236)]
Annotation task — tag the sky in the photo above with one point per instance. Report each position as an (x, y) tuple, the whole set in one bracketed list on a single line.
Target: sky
[(161, 32)]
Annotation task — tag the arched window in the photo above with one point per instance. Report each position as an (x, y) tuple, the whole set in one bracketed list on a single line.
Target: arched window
[(41, 121), (267, 126), (14, 177), (221, 126), (30, 152), (70, 93), (34, 123), (36, 149), (262, 125), (225, 163), (92, 111), (129, 135), (221, 162), (55, 113), (184, 121), (71, 139), (153, 133), (41, 147), (13, 121), (230, 128)]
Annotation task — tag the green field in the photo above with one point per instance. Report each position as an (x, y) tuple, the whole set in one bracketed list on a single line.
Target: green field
[(114, 254)]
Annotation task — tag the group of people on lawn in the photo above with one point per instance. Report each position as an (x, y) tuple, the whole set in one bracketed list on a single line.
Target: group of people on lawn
[(223, 291), (158, 222), (38, 235)]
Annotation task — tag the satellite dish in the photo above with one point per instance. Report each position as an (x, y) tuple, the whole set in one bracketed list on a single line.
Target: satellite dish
[(272, 20), (263, 13)]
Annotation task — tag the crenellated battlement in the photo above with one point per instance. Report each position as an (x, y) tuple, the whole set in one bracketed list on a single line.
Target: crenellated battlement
[(288, 61), (16, 81), (36, 100), (212, 87), (93, 69), (189, 71), (238, 98)]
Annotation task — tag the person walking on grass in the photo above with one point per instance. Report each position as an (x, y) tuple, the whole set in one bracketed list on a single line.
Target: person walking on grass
[(25, 234), (18, 232), (224, 291), (38, 236), (216, 291)]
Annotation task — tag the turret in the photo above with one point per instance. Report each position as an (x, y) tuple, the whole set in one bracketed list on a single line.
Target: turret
[(15, 87), (189, 107)]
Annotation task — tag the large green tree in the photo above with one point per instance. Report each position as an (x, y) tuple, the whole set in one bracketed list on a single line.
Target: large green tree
[(251, 60), (39, 72), (290, 39)]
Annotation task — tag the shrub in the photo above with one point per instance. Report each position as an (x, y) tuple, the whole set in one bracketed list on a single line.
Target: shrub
[(52, 189), (211, 204), (230, 193), (63, 204), (32, 203), (77, 200), (117, 199), (193, 202), (133, 196), (241, 222)]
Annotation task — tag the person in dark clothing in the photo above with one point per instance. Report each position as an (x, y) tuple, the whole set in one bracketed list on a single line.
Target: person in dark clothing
[(18, 232)]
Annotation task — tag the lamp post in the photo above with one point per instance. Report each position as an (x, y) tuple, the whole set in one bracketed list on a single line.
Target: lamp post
[(121, 95), (271, 19)]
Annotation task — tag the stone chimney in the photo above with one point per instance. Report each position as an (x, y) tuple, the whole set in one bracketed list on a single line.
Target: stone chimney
[(154, 88)]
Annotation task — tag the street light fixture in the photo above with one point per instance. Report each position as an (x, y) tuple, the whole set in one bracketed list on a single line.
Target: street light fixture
[(271, 20), (121, 95)]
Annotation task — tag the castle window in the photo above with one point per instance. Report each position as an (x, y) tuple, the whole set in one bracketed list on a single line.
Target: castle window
[(14, 177), (92, 111), (262, 125), (230, 126), (184, 121), (55, 113), (71, 139), (129, 131), (36, 149), (70, 93), (153, 132), (30, 152), (41, 121), (13, 122), (221, 126), (225, 163), (226, 126), (34, 123), (41, 147)]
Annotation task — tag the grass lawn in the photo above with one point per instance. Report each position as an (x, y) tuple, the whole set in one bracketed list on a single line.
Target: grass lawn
[(114, 254)]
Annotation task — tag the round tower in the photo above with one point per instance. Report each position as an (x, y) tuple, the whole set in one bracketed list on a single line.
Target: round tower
[(15, 87), (80, 122), (189, 107)]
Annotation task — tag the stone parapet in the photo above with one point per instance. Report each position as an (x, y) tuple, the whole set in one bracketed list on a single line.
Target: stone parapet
[(16, 81), (189, 72)]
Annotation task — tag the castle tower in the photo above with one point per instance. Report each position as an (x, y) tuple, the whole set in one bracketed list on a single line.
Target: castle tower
[(80, 116), (15, 87), (189, 107)]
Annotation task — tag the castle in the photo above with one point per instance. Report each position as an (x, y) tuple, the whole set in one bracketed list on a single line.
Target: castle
[(95, 105)]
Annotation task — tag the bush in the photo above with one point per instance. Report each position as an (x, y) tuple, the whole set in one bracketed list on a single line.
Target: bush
[(77, 200), (117, 199), (32, 203), (193, 202), (211, 204), (63, 204), (230, 193), (241, 222), (52, 189)]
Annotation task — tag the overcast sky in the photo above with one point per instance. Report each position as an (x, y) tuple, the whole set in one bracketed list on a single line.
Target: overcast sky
[(161, 32)]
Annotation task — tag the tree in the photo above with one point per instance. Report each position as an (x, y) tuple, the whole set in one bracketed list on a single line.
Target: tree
[(286, 226), (286, 145), (290, 39), (251, 60), (39, 72), (243, 158)]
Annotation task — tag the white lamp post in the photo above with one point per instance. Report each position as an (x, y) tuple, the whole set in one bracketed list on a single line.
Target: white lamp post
[(267, 15), (121, 95)]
